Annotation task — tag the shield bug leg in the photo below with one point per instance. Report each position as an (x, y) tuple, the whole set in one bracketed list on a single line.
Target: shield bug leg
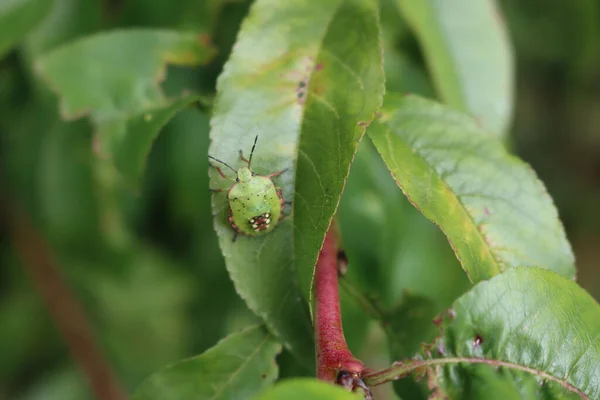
[(274, 174), (220, 171), (281, 201), (236, 230), (244, 159), (216, 190)]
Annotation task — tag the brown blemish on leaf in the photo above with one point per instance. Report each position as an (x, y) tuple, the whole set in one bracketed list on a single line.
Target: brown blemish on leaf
[(97, 148), (205, 40), (301, 90)]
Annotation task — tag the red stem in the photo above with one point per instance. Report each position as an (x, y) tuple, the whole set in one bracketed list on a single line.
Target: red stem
[(333, 355)]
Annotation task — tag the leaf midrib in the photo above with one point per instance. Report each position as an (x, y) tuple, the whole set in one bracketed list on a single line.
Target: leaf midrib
[(407, 368), (318, 51)]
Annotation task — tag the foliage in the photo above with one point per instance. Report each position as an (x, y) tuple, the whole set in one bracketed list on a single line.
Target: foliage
[(108, 111)]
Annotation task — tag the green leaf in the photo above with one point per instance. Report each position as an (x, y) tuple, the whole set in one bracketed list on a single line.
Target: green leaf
[(470, 58), (307, 388), (491, 206), (117, 74), (301, 77), (532, 318), (17, 18), (524, 324), (238, 367), (115, 78)]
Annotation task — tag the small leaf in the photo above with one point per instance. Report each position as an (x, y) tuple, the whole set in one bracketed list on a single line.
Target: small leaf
[(17, 18), (534, 319), (527, 330), (466, 46), (238, 367), (302, 78), (117, 74), (491, 206), (306, 388), (115, 78)]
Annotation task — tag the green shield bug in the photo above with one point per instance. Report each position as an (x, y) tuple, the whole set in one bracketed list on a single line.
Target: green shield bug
[(255, 204)]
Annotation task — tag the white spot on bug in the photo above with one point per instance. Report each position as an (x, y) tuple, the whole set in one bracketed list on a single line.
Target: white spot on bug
[(267, 215), (251, 220), (268, 221), (254, 226)]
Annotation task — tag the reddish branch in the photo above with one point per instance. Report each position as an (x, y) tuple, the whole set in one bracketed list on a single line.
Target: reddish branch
[(335, 362), (62, 304)]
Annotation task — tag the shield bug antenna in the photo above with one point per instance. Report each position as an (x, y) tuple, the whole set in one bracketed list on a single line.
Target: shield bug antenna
[(249, 160), (224, 163), (252, 152)]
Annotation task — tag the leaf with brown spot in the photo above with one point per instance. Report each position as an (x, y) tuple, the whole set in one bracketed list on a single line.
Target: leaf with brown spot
[(527, 333)]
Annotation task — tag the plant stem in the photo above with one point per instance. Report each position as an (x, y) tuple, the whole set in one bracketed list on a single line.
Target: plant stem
[(333, 355), (62, 304)]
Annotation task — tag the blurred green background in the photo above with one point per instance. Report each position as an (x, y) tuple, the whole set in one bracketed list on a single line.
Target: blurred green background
[(146, 264)]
